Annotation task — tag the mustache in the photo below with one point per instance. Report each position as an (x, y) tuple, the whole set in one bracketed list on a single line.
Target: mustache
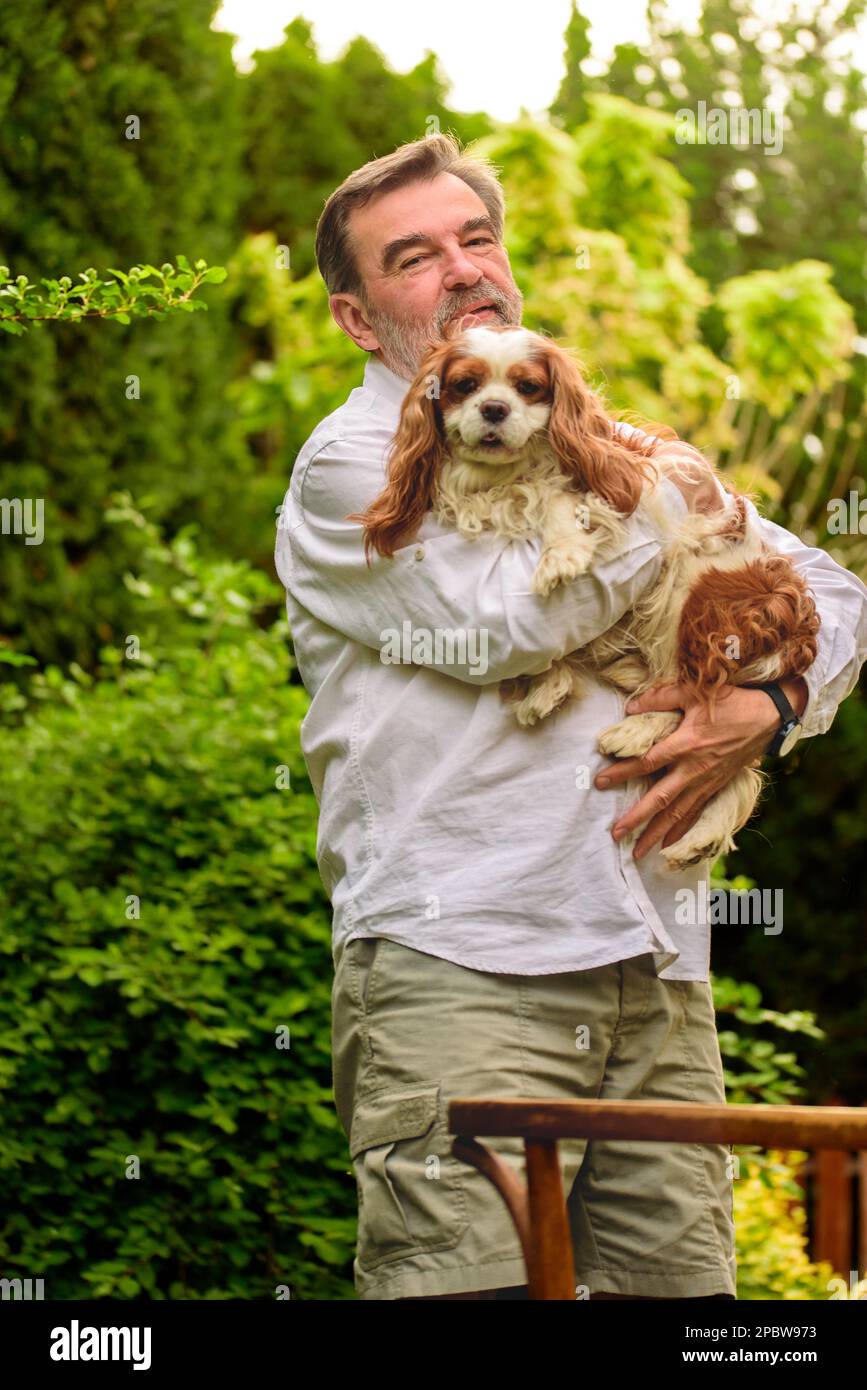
[(496, 297)]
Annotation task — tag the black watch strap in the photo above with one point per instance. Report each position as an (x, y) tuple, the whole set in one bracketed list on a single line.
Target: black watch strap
[(788, 718)]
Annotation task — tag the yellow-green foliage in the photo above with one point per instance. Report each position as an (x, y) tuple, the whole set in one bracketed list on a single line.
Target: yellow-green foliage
[(771, 1235)]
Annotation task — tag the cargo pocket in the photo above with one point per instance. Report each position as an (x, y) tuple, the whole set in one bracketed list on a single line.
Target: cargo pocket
[(410, 1192)]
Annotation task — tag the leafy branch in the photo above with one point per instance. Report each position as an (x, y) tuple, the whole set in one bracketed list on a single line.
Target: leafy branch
[(127, 296)]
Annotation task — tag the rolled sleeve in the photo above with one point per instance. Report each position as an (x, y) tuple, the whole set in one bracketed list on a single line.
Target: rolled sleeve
[(841, 602)]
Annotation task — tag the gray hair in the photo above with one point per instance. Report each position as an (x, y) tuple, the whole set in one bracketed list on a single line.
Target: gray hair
[(418, 161)]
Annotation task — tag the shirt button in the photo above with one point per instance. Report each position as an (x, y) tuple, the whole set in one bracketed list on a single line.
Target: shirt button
[(419, 552)]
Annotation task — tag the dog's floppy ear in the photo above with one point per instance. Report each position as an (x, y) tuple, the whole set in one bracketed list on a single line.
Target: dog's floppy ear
[(582, 437), (414, 460)]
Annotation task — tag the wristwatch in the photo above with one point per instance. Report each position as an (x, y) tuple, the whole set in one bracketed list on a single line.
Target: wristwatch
[(788, 733)]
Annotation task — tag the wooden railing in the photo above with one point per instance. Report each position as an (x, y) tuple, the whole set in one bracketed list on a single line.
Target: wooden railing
[(538, 1208), (834, 1185)]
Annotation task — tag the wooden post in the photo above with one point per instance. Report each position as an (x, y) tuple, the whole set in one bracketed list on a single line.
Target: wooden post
[(550, 1270), (861, 1244), (833, 1210), (833, 1207), (862, 1216)]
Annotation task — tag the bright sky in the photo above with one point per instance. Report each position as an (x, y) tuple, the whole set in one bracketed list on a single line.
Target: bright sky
[(495, 65), (498, 60)]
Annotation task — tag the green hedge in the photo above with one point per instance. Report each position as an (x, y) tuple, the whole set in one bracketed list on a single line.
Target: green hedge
[(157, 1036)]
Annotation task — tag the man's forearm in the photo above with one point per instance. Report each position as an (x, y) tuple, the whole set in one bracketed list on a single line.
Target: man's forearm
[(796, 692), (446, 583)]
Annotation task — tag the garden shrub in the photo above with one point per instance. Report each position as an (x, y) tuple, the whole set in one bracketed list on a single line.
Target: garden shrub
[(771, 1239), (156, 1034)]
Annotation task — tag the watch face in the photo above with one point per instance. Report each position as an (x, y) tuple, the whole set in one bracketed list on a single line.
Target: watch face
[(790, 740)]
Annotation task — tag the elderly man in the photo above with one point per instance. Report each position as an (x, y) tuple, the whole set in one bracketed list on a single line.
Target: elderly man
[(495, 931)]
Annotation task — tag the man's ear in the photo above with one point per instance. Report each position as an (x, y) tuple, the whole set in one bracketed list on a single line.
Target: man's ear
[(348, 314)]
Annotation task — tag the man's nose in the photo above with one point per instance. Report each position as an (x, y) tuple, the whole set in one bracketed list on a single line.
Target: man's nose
[(461, 271), (494, 411)]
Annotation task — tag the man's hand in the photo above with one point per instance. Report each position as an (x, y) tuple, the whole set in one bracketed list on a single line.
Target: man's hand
[(691, 474), (698, 759)]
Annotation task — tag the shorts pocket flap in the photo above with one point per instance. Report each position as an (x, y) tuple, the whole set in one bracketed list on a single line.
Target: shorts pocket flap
[(386, 1118)]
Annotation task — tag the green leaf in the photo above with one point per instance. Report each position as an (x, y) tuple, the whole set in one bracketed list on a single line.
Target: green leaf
[(16, 658)]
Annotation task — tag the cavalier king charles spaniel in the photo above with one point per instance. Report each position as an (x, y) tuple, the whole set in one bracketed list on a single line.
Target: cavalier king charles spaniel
[(499, 431)]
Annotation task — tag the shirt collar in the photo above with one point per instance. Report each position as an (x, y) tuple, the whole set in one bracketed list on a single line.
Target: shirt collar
[(385, 382)]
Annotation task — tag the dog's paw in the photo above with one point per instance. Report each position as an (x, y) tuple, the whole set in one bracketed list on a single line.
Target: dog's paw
[(548, 692), (723, 816), (560, 562), (637, 733), (696, 846), (627, 673)]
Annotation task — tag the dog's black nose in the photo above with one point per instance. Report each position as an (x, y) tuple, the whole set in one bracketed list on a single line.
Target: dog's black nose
[(494, 411)]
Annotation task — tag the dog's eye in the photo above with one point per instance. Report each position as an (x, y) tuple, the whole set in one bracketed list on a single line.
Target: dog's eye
[(527, 388), (465, 385)]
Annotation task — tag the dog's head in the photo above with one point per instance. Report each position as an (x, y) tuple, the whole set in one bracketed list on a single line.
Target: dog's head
[(483, 394)]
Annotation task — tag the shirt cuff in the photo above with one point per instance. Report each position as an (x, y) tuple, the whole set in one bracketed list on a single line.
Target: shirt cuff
[(819, 711)]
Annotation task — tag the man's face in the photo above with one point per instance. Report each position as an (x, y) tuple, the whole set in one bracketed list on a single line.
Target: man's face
[(426, 253)]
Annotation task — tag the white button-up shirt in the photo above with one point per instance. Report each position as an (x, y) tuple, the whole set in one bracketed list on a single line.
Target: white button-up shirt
[(443, 824)]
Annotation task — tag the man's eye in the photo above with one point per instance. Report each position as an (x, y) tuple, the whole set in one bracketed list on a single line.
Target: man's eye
[(465, 385), (476, 241), (527, 388)]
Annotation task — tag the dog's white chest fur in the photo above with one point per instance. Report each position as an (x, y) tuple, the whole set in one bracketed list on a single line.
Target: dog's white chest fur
[(513, 501)]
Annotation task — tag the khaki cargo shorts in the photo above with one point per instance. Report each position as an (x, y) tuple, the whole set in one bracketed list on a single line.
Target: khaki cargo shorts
[(411, 1031)]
